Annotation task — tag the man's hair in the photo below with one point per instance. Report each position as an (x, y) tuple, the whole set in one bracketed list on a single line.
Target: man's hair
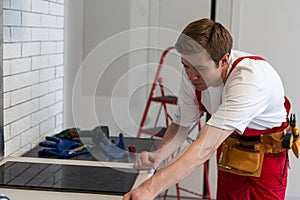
[(205, 34)]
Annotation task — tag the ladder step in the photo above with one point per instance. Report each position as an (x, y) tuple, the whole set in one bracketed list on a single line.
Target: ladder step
[(166, 99), (155, 131)]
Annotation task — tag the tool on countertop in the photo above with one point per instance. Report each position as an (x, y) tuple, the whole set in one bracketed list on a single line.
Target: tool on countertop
[(62, 148), (131, 149), (76, 133)]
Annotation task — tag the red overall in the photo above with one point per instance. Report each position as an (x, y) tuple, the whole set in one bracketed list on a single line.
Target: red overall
[(271, 185)]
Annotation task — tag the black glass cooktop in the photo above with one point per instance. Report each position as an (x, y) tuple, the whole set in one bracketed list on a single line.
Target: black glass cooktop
[(69, 178)]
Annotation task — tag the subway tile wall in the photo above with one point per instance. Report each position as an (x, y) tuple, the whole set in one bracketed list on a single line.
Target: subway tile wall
[(33, 72)]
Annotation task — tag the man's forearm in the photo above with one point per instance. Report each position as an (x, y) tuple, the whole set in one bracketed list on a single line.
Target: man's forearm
[(195, 155), (173, 139)]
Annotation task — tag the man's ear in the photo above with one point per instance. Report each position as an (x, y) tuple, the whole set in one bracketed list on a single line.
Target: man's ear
[(225, 60)]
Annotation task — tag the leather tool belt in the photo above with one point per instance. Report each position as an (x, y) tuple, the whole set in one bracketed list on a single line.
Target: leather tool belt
[(243, 155)]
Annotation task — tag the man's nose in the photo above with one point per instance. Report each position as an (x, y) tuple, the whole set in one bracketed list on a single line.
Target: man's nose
[(193, 74)]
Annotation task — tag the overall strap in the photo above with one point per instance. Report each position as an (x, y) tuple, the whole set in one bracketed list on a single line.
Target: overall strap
[(287, 105), (200, 105), (234, 64), (198, 93), (249, 131)]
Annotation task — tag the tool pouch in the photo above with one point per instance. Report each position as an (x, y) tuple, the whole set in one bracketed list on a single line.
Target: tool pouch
[(244, 160), (272, 143), (226, 147), (239, 160)]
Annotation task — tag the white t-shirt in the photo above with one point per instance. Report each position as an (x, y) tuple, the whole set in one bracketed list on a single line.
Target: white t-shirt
[(253, 96)]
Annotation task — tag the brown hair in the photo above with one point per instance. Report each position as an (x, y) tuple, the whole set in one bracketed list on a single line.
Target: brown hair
[(211, 36)]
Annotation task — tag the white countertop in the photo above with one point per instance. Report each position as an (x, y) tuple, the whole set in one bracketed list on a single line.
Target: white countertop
[(19, 194)]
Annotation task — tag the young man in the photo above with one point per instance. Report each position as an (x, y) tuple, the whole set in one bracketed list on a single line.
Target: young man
[(238, 90)]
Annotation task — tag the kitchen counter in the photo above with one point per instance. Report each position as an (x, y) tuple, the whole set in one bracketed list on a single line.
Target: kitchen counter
[(21, 177)]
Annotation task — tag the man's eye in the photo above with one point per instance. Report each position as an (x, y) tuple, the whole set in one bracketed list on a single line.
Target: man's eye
[(200, 68)]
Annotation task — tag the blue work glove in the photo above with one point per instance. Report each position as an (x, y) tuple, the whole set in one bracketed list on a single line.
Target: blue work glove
[(61, 147), (113, 150), (121, 143)]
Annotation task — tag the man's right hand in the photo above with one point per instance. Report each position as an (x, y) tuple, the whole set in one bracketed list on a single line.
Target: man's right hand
[(148, 160)]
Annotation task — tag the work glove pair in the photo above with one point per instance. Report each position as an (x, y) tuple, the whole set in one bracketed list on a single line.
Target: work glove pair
[(65, 148), (62, 148)]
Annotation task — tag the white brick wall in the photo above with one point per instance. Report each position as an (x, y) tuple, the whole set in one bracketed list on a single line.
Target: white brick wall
[(11, 50), (19, 66), (33, 66), (20, 96), (48, 47), (19, 126), (11, 18), (6, 4), (40, 6), (20, 4), (47, 100), (31, 19), (39, 62), (31, 49), (40, 89), (6, 34), (20, 34), (15, 82)]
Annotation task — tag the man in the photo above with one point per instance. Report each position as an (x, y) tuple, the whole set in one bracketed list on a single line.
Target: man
[(238, 90)]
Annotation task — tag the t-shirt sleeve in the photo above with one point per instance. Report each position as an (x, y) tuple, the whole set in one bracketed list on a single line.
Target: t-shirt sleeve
[(187, 110), (243, 99)]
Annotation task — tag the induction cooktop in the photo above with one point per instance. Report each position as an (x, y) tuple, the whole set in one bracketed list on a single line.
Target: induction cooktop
[(68, 178)]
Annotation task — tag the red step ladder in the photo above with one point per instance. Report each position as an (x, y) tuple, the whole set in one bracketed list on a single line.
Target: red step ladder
[(164, 100)]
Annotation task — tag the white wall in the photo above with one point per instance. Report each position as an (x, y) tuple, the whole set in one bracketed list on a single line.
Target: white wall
[(94, 27), (270, 28), (73, 53), (33, 34)]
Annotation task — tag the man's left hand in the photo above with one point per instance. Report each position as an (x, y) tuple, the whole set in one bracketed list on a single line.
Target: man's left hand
[(140, 193)]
